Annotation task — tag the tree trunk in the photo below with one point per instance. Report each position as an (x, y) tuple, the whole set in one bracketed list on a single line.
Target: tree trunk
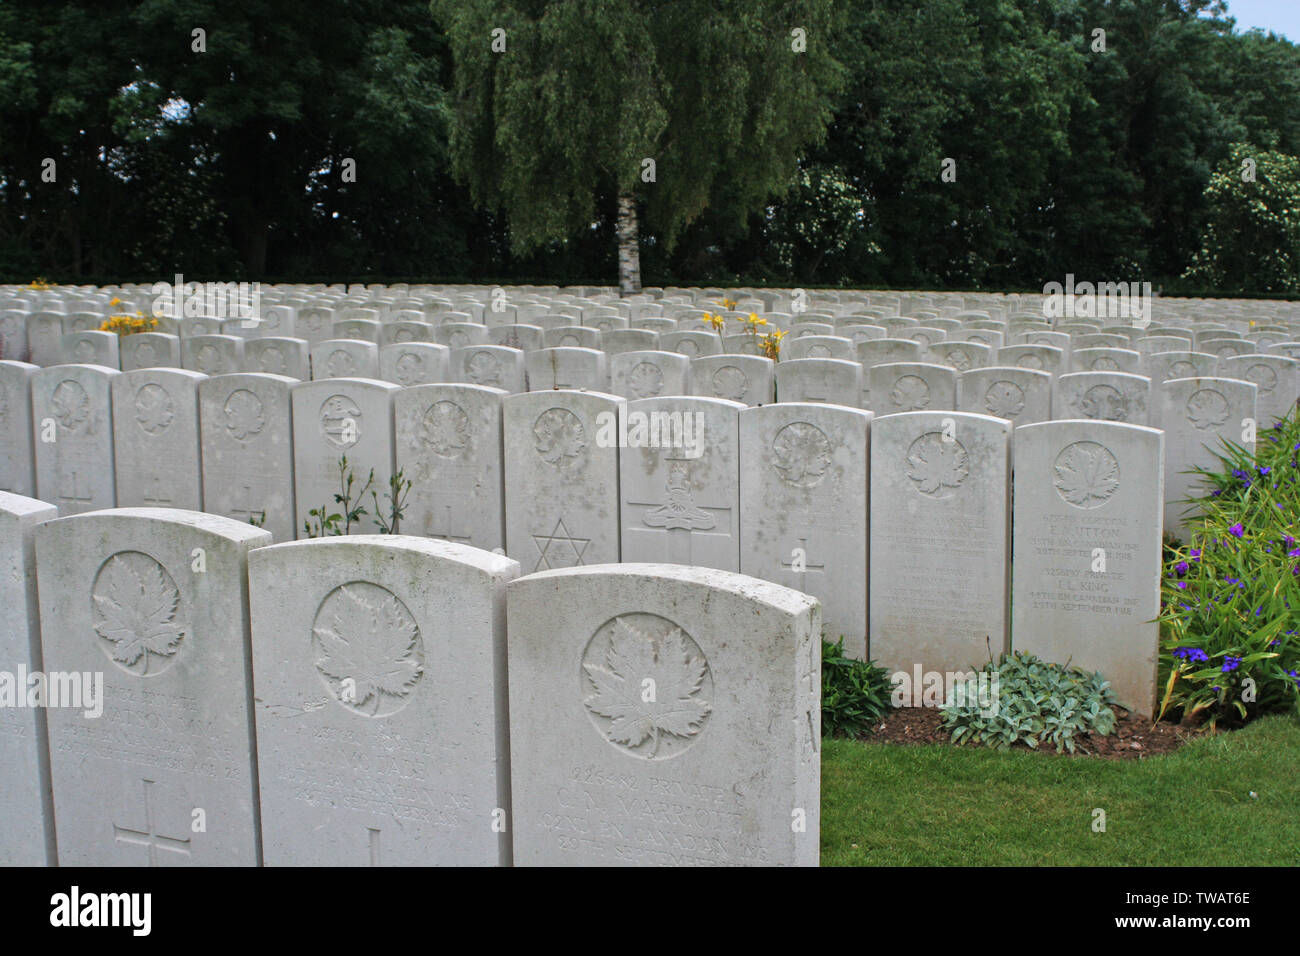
[(629, 247)]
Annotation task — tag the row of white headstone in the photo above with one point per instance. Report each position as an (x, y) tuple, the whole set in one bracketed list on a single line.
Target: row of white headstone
[(214, 699)]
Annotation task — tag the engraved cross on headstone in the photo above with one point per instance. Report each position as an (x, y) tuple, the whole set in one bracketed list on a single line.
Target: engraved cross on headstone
[(246, 511), (73, 496), (447, 525), (149, 836), (807, 566), (154, 496)]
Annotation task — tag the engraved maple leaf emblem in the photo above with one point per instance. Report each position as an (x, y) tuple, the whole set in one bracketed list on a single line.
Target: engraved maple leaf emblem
[(801, 453), (153, 409), (648, 687), (136, 611), (445, 429), (484, 369), (934, 464), (1207, 409), (367, 636), (910, 393), (71, 404), (1087, 474), (1004, 399), (561, 439), (244, 414), (645, 380)]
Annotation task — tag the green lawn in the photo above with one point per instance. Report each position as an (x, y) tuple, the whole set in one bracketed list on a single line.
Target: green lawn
[(938, 806)]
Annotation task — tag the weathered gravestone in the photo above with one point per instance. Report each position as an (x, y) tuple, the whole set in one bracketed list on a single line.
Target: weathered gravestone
[(72, 425), (803, 508), (91, 348), (561, 467), (563, 368), (663, 715), (212, 354), (246, 431), (1162, 366), (636, 375), (150, 350), (940, 529), (449, 447), (17, 457), (334, 419), (909, 387), (1089, 499), (156, 453), (156, 601), (492, 366), (748, 379), (278, 356), (344, 358), (1197, 416), (382, 727), (679, 482), (26, 805), (1020, 395), (961, 356), (1103, 396), (414, 363), (825, 380), (1277, 378)]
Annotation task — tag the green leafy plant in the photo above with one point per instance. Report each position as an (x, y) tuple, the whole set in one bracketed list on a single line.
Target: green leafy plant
[(330, 524), (1231, 595), (1026, 700), (389, 517), (855, 695)]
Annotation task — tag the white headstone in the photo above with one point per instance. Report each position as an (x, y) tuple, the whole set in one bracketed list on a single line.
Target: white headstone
[(492, 366), (910, 387), (156, 601), (663, 715), (1089, 500), (567, 367), (72, 424), (636, 375), (748, 379), (344, 358), (1277, 378), (382, 728), (414, 363), (278, 356), (17, 456), (824, 380), (247, 437), (1103, 396), (1020, 395), (940, 528), (212, 354), (156, 439), (150, 350)]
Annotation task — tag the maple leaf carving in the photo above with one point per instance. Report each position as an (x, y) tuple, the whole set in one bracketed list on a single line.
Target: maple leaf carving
[(1087, 474), (935, 464), (730, 382), (910, 393), (137, 610), (646, 380), (1004, 399), (71, 404), (445, 429), (367, 635), (675, 708), (153, 409), (245, 414), (561, 439), (1207, 409), (801, 453), (484, 369)]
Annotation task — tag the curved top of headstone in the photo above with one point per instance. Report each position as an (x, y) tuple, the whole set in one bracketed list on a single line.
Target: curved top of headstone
[(489, 562), (22, 505), (219, 525), (741, 585)]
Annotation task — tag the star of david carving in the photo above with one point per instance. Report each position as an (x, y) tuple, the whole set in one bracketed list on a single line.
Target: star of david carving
[(559, 536)]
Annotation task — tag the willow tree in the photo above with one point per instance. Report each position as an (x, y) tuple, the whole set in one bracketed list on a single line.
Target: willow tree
[(668, 107)]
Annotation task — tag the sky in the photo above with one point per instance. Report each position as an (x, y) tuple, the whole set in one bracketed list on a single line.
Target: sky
[(1280, 16)]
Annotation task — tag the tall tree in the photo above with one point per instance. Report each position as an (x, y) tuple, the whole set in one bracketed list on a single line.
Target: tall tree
[(668, 108)]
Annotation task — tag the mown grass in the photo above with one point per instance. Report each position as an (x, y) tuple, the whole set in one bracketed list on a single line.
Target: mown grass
[(937, 805)]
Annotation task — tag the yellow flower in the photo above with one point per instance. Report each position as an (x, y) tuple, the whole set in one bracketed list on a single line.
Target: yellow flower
[(716, 321)]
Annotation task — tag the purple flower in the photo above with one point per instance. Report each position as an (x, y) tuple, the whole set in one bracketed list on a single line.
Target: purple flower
[(1237, 530), (1192, 654), (1182, 585), (1196, 554), (1181, 566), (1230, 663), (1293, 554)]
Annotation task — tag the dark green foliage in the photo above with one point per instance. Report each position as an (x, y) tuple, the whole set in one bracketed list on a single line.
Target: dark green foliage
[(855, 695)]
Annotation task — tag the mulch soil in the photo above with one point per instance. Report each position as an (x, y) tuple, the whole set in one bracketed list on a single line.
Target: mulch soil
[(1134, 738)]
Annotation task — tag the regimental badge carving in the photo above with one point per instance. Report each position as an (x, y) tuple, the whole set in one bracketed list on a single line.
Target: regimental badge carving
[(1104, 363), (561, 440), (71, 404), (1262, 376), (484, 368), (84, 351), (341, 364), (910, 393), (801, 453), (688, 347), (135, 606), (1103, 402), (368, 649), (409, 368), (937, 467), (646, 380), (314, 321), (145, 355), (1030, 360), (680, 511), (208, 360), (245, 415), (1004, 399), (1182, 370), (340, 420), (444, 430), (271, 359), (646, 685), (458, 339), (959, 359), (154, 409), (730, 382), (1087, 474)]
